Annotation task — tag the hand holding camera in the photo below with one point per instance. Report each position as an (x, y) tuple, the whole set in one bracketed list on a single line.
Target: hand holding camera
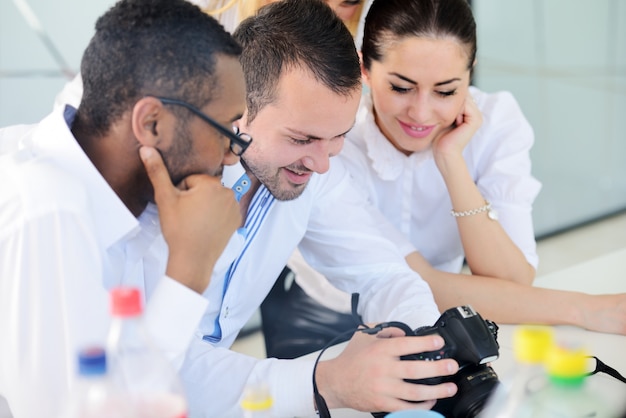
[(472, 342)]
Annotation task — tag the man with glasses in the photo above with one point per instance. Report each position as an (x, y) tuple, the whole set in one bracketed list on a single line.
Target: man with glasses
[(303, 89), (123, 191), (239, 141)]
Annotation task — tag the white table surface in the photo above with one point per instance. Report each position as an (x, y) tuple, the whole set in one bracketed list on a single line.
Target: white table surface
[(605, 274)]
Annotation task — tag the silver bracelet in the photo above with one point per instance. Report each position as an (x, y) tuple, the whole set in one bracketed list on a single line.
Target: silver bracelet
[(487, 208)]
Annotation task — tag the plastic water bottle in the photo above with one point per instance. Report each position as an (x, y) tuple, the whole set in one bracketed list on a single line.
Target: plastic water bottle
[(567, 394), (93, 395), (513, 396), (137, 366), (257, 401)]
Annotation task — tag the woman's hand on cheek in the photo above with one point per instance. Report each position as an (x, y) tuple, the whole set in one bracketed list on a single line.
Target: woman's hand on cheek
[(451, 143)]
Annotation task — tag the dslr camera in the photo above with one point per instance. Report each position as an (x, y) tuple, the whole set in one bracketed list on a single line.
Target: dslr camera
[(472, 342)]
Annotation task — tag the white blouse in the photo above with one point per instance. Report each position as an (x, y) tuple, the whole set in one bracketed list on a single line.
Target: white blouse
[(411, 194)]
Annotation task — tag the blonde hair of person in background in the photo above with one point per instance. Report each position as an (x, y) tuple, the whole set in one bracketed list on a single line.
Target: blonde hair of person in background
[(353, 22), (218, 7), (349, 11)]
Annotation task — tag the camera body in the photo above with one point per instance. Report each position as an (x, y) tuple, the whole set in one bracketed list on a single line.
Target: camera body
[(472, 342), (469, 339)]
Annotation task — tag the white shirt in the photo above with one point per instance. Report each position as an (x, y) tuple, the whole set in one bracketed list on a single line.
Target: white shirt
[(337, 234), (411, 194), (65, 237)]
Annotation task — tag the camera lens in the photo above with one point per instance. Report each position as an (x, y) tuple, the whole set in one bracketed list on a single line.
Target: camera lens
[(475, 383)]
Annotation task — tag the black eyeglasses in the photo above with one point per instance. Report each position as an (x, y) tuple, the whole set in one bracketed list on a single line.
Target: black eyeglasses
[(239, 141)]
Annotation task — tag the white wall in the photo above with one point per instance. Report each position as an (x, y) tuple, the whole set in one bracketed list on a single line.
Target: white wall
[(565, 61), (29, 75)]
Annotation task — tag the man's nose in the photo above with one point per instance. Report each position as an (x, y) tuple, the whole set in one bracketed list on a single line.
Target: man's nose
[(318, 159), (229, 157)]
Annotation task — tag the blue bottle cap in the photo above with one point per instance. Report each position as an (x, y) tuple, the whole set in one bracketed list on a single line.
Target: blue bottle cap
[(92, 361)]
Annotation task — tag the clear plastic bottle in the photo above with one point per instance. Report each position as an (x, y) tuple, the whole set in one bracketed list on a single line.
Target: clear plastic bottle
[(567, 394), (257, 401), (93, 395), (512, 397), (137, 366)]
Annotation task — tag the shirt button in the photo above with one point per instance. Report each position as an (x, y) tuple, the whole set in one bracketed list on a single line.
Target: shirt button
[(226, 311)]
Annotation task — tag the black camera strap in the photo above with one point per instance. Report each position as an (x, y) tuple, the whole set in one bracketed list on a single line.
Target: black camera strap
[(601, 367), (320, 402)]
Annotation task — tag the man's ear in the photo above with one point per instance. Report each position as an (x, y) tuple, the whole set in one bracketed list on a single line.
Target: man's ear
[(148, 121), (242, 122)]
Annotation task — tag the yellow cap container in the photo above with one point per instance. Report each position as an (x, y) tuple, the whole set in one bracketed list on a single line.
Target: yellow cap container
[(531, 343), (566, 366)]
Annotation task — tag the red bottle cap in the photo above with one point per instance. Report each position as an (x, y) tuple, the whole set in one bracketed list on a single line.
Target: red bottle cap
[(126, 301)]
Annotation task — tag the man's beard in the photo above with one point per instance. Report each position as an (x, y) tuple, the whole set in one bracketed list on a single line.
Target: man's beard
[(272, 181)]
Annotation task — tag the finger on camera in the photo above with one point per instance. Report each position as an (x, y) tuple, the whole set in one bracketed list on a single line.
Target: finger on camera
[(421, 369), (416, 344), (391, 332), (420, 392)]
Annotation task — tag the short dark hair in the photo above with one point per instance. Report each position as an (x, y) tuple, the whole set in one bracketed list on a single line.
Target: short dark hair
[(156, 47), (290, 34), (390, 20)]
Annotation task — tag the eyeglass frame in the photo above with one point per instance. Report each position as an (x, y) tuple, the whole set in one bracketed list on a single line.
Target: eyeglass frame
[(239, 141)]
